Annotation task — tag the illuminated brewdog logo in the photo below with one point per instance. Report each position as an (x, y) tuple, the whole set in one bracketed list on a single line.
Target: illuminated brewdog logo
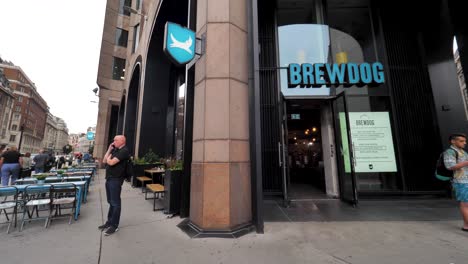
[(179, 43), (316, 75)]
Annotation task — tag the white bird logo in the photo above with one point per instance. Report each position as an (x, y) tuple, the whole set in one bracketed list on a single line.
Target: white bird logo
[(182, 45)]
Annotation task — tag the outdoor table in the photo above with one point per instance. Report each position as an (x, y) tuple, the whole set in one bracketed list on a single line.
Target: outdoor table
[(81, 186), (86, 177), (157, 172)]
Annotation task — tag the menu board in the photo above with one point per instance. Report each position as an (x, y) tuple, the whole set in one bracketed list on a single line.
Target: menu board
[(372, 142)]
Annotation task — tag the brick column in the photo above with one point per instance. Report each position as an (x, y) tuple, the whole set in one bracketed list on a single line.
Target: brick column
[(220, 185)]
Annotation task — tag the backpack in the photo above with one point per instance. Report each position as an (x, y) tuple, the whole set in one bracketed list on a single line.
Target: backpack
[(442, 173), (128, 170)]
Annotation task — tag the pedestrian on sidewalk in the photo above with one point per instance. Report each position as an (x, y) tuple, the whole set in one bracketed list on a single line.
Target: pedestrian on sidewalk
[(10, 162), (115, 159), (40, 161), (456, 159), (26, 167)]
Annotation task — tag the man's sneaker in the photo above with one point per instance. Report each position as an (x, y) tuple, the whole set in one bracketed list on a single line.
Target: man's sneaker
[(111, 230), (104, 226)]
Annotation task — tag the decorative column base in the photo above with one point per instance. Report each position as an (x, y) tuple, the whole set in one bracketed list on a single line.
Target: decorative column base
[(193, 231)]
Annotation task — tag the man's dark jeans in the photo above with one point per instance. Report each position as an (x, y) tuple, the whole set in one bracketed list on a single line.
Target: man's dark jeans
[(113, 190)]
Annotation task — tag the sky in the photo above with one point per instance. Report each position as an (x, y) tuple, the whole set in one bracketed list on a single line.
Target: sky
[(57, 44)]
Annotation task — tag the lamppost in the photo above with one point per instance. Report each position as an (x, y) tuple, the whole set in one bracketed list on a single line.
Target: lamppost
[(21, 137), (133, 11)]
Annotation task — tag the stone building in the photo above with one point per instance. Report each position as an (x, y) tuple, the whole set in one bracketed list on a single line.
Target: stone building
[(56, 134), (6, 104), (29, 110), (297, 100)]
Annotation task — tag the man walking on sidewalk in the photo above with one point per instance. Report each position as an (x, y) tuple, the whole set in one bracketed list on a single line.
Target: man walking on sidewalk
[(115, 159), (456, 159)]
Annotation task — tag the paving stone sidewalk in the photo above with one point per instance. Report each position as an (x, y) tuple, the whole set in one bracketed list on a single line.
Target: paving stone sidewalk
[(150, 237)]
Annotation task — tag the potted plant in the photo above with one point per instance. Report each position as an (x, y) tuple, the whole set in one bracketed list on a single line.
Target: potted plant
[(40, 178), (173, 185), (60, 173), (140, 164)]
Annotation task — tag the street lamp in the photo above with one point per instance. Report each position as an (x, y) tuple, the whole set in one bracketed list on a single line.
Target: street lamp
[(133, 11), (21, 137)]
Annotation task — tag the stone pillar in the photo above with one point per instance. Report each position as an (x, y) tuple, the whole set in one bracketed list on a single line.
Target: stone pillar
[(220, 197)]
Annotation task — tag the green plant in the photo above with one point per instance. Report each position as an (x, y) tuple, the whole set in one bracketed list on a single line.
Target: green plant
[(174, 164), (150, 156), (40, 177), (65, 168), (60, 172), (139, 161)]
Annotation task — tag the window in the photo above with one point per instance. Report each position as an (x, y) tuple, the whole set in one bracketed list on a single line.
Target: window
[(136, 37), (121, 37), (20, 99), (118, 69), (138, 4), (12, 138), (14, 127), (123, 10), (18, 109), (16, 116)]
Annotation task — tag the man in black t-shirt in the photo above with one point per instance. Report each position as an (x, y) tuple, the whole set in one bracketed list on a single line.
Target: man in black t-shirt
[(115, 159)]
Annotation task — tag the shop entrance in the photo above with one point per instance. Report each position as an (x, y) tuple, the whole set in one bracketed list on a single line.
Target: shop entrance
[(304, 150), (317, 160)]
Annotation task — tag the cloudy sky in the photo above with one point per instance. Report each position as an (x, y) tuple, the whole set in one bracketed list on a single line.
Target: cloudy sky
[(57, 44)]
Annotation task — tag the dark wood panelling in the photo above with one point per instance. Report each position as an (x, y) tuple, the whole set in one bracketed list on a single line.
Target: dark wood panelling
[(269, 99), (413, 108)]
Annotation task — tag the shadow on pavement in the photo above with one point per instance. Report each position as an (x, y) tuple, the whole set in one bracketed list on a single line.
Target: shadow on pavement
[(371, 210)]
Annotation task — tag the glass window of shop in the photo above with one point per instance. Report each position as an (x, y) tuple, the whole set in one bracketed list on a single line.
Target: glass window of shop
[(353, 40), (302, 38)]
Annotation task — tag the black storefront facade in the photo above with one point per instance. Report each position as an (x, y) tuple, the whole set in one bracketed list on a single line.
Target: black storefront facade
[(421, 95), (303, 145)]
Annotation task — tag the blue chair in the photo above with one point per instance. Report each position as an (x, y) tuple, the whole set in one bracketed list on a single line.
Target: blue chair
[(62, 195), (9, 201), (36, 196)]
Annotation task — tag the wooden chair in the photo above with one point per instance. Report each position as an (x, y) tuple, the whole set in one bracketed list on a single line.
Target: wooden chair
[(143, 180), (156, 189)]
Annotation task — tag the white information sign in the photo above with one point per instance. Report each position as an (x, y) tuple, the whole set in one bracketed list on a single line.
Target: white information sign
[(371, 135)]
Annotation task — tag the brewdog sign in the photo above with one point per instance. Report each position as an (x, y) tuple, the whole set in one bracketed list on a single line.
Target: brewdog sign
[(179, 43), (316, 75)]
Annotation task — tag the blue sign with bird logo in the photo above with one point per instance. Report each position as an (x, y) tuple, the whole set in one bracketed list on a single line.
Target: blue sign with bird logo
[(90, 135), (179, 43)]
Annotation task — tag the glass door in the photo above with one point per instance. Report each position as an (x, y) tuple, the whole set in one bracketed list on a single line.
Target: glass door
[(345, 158)]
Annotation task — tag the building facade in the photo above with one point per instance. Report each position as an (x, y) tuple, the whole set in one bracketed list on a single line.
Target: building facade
[(28, 120), (111, 72), (50, 134), (303, 100), (6, 104), (56, 134), (62, 135), (462, 82)]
